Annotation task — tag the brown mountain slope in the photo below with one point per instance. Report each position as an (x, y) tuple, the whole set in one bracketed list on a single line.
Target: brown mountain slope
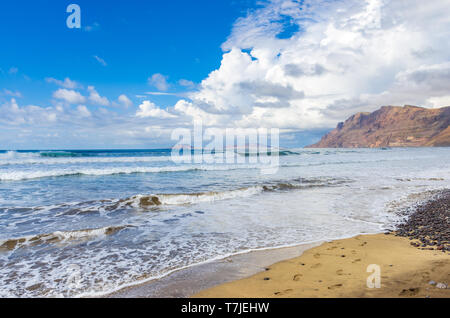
[(392, 126)]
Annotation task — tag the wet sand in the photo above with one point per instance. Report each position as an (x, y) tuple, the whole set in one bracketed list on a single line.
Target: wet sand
[(186, 282), (413, 261), (339, 269)]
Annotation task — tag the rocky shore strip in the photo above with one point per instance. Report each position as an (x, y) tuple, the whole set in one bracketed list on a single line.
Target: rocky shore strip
[(428, 227)]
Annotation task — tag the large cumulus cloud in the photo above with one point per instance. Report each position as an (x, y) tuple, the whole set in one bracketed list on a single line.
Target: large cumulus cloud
[(344, 56)]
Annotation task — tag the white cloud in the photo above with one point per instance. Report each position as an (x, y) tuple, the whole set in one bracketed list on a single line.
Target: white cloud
[(95, 98), (186, 83), (83, 111), (11, 114), (439, 101), (67, 83), (159, 81), (347, 56), (100, 60), (8, 92), (93, 27), (190, 111), (70, 96), (124, 101), (149, 109)]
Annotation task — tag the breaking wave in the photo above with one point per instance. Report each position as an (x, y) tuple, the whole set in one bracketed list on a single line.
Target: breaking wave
[(151, 201), (59, 237), (32, 160), (26, 175), (190, 198), (63, 157), (193, 198), (155, 200)]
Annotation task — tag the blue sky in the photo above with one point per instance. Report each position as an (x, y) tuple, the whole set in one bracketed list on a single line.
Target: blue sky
[(180, 39), (137, 70)]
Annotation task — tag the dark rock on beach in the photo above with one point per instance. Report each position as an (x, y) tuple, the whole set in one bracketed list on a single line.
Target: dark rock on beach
[(428, 227)]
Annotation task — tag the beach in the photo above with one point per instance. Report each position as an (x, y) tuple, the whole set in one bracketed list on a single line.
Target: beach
[(186, 282), (339, 269), (412, 261), (328, 269), (134, 223), (231, 149)]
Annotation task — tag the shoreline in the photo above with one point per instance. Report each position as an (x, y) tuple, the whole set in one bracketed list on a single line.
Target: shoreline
[(338, 265), (340, 269), (185, 282), (411, 261)]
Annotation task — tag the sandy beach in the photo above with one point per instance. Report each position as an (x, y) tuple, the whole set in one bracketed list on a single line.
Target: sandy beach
[(412, 261), (339, 269), (189, 281)]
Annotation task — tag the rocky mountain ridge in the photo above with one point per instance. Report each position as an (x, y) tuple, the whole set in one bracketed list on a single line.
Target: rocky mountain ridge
[(391, 126)]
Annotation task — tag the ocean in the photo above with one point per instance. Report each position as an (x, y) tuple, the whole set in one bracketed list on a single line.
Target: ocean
[(87, 223)]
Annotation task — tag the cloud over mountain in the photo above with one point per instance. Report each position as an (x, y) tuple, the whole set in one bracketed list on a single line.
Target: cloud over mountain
[(344, 56)]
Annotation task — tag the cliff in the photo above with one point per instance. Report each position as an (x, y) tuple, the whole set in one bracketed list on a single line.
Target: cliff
[(392, 126)]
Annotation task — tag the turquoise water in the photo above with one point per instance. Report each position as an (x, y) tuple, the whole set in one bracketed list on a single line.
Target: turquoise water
[(78, 223)]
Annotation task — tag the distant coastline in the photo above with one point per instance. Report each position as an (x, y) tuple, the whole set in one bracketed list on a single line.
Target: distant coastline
[(391, 126)]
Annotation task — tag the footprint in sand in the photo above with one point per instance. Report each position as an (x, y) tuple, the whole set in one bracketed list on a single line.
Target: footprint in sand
[(297, 277), (317, 255), (287, 291), (356, 260), (316, 265), (332, 248), (364, 243), (425, 275), (409, 292), (335, 286), (340, 272)]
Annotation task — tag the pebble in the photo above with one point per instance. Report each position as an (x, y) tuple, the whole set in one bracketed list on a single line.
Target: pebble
[(429, 224), (441, 285)]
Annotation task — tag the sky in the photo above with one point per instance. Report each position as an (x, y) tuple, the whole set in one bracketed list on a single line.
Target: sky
[(136, 70)]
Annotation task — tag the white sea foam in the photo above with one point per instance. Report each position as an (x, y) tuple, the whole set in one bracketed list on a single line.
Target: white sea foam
[(16, 175), (36, 158), (312, 197), (15, 158), (146, 200), (190, 198), (177, 199), (59, 237), (14, 155)]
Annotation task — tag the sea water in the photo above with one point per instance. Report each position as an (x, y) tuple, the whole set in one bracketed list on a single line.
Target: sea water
[(86, 223)]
